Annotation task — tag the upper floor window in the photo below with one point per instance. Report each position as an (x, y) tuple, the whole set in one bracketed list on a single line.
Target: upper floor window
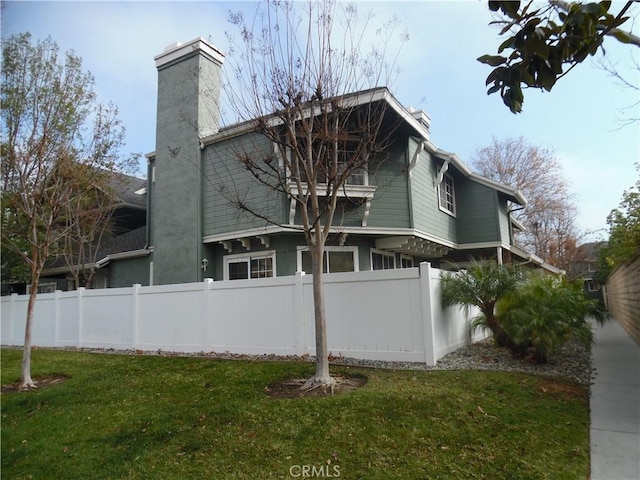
[(346, 155), (447, 195)]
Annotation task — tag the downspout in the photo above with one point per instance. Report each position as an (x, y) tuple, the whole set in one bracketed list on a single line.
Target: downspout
[(201, 273)]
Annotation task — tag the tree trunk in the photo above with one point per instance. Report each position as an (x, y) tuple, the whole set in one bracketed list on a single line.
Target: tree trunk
[(321, 378), (27, 382)]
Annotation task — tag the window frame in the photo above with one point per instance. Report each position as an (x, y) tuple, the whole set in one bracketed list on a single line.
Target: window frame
[(327, 251), (450, 211), (383, 253), (410, 258), (247, 258), (349, 189)]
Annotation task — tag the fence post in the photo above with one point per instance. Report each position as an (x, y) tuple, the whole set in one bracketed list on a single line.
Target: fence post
[(208, 314), (427, 315), (12, 318), (80, 315), (298, 314), (135, 291), (56, 317)]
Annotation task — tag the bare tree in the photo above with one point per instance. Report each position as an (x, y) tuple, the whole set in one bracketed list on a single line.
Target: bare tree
[(51, 125), (304, 80), (549, 217), (87, 218)]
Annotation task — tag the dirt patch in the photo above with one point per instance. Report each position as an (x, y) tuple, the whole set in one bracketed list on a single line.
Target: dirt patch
[(563, 390), (293, 387), (41, 382)]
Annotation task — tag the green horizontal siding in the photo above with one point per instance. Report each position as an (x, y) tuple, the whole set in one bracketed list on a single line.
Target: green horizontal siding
[(477, 212), (390, 204), (427, 216), (227, 180)]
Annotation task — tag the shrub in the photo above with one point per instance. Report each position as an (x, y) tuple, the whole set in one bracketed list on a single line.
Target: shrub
[(543, 312), (482, 285)]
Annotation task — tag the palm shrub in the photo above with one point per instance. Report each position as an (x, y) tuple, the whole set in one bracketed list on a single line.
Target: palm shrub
[(481, 285), (543, 312)]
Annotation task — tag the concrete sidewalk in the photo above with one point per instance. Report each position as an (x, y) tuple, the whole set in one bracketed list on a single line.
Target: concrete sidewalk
[(615, 405)]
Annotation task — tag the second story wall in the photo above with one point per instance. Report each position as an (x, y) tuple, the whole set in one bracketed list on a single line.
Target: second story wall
[(427, 217), (226, 180), (477, 212), (390, 204)]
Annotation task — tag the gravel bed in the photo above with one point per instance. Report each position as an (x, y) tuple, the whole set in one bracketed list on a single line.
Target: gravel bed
[(572, 361)]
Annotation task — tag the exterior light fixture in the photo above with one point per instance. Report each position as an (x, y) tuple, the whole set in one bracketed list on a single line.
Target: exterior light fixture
[(204, 264)]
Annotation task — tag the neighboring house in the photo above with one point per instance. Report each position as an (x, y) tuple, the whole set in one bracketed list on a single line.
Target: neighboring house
[(121, 257), (585, 266), (420, 204)]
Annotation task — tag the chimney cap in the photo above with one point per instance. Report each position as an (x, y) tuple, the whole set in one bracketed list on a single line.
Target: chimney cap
[(177, 50)]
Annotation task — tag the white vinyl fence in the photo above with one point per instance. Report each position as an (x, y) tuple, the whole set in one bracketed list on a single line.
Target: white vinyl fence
[(392, 315)]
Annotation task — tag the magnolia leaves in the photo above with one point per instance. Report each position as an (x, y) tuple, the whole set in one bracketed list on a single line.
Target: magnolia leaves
[(540, 50)]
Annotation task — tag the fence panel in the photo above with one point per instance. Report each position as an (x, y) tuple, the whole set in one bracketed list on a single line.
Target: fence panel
[(107, 318), (390, 315)]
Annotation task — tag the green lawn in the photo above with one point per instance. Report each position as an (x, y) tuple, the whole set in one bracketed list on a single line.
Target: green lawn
[(186, 418)]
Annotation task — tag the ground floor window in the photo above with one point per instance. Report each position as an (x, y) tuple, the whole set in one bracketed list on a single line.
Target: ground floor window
[(592, 285), (406, 261), (382, 260), (336, 259), (245, 266)]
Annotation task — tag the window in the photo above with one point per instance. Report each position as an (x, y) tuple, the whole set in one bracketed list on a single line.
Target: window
[(242, 267), (382, 260), (406, 261), (593, 286), (345, 152), (336, 259), (447, 195), (48, 287)]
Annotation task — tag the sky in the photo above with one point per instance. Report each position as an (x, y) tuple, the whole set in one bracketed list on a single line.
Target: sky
[(581, 119)]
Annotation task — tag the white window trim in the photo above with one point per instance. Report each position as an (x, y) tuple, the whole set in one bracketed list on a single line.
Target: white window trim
[(383, 253), (356, 260), (227, 259), (442, 207), (346, 190)]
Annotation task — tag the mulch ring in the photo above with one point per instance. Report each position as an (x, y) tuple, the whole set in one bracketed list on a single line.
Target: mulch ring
[(293, 387), (41, 382)]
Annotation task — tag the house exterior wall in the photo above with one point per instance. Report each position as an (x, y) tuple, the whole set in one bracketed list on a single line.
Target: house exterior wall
[(225, 179), (427, 217), (127, 272), (477, 212), (187, 108), (390, 204)]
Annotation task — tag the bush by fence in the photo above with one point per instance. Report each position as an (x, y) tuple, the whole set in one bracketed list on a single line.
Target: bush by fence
[(392, 315)]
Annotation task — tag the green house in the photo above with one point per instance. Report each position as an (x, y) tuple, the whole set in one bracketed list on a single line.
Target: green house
[(414, 202), (419, 203)]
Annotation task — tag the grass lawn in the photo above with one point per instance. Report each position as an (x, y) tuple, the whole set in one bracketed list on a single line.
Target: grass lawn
[(158, 417)]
